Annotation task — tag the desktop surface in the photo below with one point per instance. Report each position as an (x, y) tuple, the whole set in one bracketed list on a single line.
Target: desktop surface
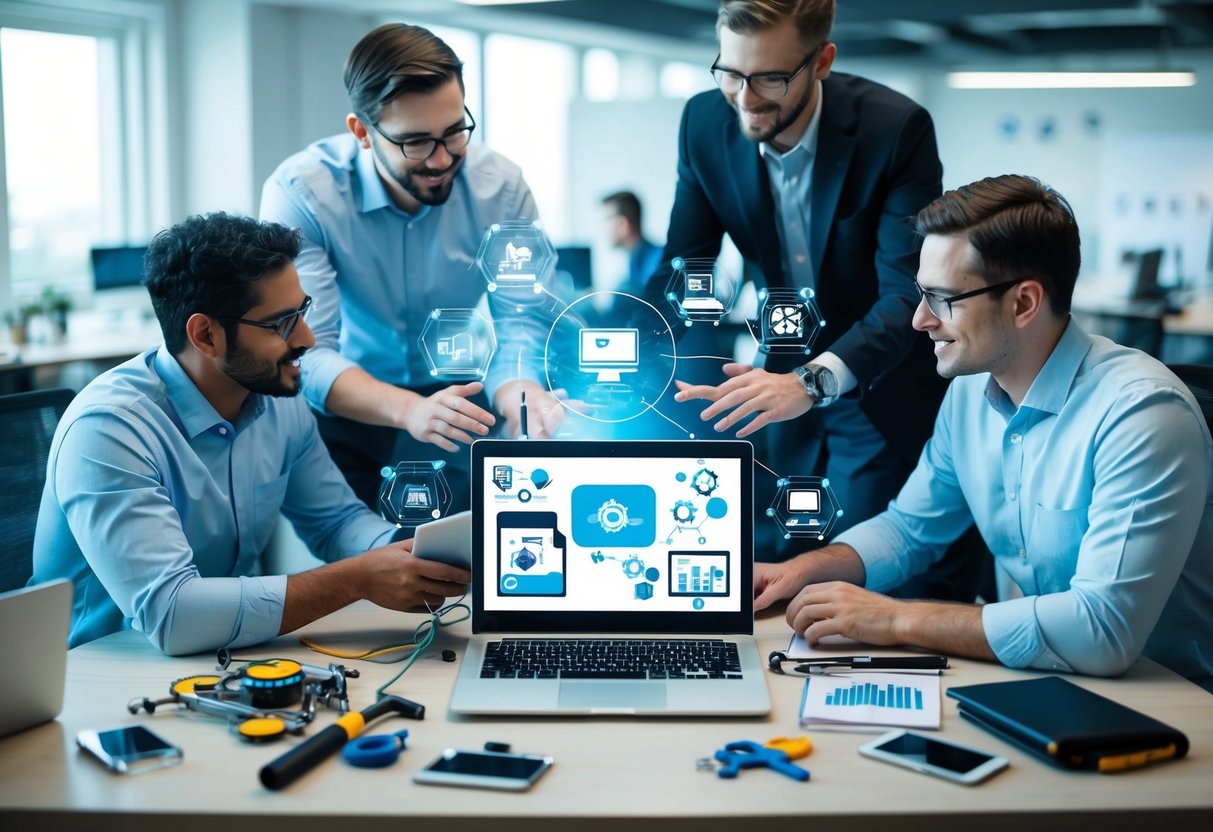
[(608, 771)]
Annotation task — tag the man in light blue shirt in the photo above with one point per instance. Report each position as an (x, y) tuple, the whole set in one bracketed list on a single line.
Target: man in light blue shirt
[(1087, 467), (167, 474), (393, 213)]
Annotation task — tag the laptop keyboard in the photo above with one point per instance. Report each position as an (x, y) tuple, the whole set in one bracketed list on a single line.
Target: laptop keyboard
[(544, 658)]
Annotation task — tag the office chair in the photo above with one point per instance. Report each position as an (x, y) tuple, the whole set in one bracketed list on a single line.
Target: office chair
[(27, 425), (1199, 378)]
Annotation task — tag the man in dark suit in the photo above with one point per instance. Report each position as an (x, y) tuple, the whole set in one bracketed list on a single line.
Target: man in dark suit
[(815, 177)]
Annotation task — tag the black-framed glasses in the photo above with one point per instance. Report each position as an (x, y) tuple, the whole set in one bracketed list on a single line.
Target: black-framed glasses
[(768, 85), (421, 148), (284, 325), (941, 305)]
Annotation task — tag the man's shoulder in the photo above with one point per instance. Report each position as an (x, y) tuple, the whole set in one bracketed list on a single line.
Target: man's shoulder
[(129, 393), (329, 162), (867, 93), (490, 174)]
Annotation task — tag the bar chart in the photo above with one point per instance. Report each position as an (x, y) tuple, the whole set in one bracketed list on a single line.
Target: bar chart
[(882, 696), (904, 700)]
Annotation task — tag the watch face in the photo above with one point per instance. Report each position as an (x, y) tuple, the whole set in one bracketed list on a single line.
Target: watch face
[(826, 381)]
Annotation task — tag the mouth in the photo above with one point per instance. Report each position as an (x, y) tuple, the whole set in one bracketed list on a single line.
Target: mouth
[(435, 178), (941, 344)]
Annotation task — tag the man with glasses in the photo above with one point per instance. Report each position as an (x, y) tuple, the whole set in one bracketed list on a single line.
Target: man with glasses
[(167, 474), (393, 213), (813, 175), (1087, 466)]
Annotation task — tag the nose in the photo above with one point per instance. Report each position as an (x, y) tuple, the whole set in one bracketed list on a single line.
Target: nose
[(748, 99), (924, 319), (440, 159), (302, 336)]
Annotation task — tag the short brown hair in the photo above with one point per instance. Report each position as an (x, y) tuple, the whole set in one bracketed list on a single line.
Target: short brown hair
[(813, 18), (394, 59), (1020, 229)]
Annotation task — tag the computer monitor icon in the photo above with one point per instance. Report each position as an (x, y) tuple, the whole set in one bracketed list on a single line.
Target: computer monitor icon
[(608, 352), (804, 504), (699, 296)]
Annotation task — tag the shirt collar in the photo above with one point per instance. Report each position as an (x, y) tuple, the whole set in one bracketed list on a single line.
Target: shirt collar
[(808, 142), (375, 194), (1052, 384), (197, 415)]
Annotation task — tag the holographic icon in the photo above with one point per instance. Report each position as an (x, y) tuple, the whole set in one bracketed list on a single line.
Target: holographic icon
[(789, 321), (805, 507), (515, 255), (414, 493), (614, 516), (700, 290), (457, 343), (608, 352), (699, 507)]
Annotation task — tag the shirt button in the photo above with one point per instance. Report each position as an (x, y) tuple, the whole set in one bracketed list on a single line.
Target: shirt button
[(794, 180), (1011, 496), (223, 431), (800, 258), (1023, 555), (1015, 438)]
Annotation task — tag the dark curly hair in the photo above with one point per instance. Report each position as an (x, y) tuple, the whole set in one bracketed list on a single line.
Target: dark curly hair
[(209, 264)]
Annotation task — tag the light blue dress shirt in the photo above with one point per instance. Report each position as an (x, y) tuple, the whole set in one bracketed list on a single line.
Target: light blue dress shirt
[(158, 509), (1094, 498), (376, 272)]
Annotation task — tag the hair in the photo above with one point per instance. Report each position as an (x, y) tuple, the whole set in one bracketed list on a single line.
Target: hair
[(393, 60), (1019, 228), (813, 18), (627, 205), (210, 264)]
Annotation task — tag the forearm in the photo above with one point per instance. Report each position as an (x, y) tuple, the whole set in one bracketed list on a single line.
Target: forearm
[(316, 593), (359, 396), (836, 562), (952, 629)]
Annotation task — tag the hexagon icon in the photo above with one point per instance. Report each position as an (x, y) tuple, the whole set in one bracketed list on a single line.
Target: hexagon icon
[(413, 493), (515, 255), (700, 290), (457, 343), (789, 321), (805, 507)]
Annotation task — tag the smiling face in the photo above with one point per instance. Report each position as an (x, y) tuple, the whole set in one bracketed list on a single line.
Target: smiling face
[(979, 337), (779, 120), (258, 359), (414, 115)]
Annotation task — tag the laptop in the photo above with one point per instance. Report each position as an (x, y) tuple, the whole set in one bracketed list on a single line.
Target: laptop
[(612, 578), (33, 647)]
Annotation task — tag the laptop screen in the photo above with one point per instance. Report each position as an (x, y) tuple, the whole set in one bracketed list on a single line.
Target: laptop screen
[(612, 536)]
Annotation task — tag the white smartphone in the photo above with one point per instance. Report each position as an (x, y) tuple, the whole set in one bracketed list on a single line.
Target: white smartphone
[(484, 770), (447, 539), (929, 755), (131, 749)]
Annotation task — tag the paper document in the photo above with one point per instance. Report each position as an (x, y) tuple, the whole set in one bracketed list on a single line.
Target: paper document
[(899, 700)]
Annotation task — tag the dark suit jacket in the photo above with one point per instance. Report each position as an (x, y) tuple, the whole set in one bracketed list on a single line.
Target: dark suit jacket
[(876, 165)]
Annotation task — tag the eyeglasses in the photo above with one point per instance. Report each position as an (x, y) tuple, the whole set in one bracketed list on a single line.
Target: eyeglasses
[(768, 85), (284, 325), (422, 148), (937, 303)]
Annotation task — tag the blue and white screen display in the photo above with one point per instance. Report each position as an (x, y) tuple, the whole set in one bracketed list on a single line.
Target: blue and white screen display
[(612, 534)]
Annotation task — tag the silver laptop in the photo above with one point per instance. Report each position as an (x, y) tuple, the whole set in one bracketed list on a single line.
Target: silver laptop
[(33, 648), (612, 578)]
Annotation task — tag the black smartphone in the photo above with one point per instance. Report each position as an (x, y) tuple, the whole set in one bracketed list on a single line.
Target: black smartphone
[(484, 770), (131, 749)]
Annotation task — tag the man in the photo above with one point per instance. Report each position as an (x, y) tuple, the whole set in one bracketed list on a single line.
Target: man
[(814, 175), (1087, 467), (393, 213), (166, 474), (623, 215)]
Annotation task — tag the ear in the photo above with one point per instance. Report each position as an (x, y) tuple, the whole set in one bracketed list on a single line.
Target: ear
[(359, 129), (206, 335), (1030, 301), (825, 60)]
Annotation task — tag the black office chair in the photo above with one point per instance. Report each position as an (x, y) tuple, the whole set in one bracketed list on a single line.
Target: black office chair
[(1199, 378), (27, 424)]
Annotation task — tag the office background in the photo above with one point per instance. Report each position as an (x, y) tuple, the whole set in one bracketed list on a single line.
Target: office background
[(124, 116)]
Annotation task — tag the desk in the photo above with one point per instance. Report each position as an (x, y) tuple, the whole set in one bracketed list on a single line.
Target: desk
[(99, 339), (609, 772)]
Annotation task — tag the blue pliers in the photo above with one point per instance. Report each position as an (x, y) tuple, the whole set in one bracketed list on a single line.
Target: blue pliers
[(749, 754)]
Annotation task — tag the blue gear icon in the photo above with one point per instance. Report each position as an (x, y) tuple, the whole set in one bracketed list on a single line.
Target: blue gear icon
[(704, 481), (612, 516), (633, 567), (684, 512)]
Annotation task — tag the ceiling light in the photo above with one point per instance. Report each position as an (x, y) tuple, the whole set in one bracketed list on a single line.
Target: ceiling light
[(503, 2), (1067, 80)]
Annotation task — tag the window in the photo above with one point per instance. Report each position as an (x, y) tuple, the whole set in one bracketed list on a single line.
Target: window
[(600, 75), (682, 80), (466, 45)]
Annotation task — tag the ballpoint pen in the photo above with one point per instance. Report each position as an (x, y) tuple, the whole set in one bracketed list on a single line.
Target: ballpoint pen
[(825, 663), (522, 418)]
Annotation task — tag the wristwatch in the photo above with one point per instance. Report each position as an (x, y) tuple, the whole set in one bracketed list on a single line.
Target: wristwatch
[(819, 382)]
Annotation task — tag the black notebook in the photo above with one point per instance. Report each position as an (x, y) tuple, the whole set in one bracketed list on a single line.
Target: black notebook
[(1069, 725)]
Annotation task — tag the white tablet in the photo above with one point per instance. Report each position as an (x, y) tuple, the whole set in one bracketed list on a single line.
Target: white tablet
[(447, 539)]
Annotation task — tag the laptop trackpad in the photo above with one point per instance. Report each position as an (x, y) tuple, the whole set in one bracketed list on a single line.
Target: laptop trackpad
[(607, 695)]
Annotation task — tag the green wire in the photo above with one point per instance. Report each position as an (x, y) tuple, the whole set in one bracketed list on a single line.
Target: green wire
[(423, 637)]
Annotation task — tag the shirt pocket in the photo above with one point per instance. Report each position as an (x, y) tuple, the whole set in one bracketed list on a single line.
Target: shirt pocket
[(1053, 546), (267, 503)]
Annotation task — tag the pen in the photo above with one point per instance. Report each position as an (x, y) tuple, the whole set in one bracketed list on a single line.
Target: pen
[(522, 418), (873, 663)]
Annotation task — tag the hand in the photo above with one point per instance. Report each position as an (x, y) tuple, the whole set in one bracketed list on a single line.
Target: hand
[(776, 581), (839, 608), (545, 413), (775, 397), (448, 415), (394, 578)]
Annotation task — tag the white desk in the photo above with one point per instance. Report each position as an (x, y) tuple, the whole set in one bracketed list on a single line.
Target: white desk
[(609, 774)]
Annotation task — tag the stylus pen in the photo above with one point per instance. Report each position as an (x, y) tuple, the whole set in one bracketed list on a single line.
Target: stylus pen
[(522, 418), (874, 663)]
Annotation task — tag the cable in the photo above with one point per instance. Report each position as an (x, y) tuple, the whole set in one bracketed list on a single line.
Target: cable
[(423, 636)]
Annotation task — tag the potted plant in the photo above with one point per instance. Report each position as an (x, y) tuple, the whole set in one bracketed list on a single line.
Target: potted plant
[(18, 321), (56, 305)]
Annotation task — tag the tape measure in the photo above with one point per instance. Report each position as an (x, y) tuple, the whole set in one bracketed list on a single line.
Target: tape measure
[(273, 684)]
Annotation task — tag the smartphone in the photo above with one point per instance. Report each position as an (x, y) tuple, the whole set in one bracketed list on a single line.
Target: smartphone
[(934, 756), (447, 539), (131, 749), (484, 770)]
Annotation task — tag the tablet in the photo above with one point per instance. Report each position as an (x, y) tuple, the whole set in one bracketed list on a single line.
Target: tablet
[(447, 539)]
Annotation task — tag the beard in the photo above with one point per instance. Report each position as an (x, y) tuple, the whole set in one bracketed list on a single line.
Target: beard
[(262, 376), (410, 180), (781, 123)]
